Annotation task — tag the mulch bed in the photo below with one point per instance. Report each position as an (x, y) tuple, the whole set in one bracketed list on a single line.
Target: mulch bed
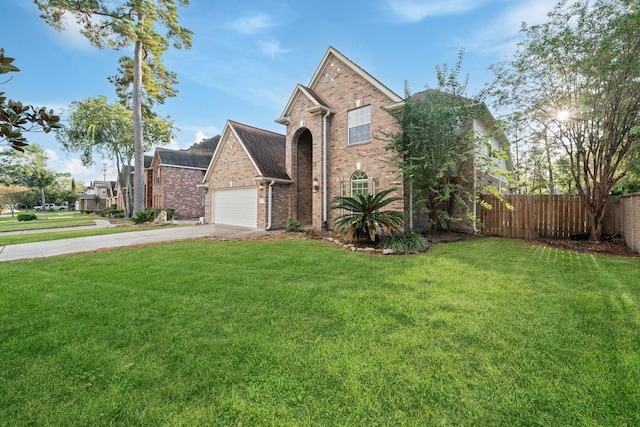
[(607, 247)]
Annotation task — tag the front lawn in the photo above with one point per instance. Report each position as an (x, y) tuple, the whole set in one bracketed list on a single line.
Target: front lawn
[(46, 220), (294, 333)]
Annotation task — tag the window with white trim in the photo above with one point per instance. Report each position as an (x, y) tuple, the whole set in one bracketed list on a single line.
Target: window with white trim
[(359, 184), (359, 124)]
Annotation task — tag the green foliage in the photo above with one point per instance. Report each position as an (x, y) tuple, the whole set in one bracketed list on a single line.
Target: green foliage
[(293, 225), (113, 212), (149, 214), (26, 216), (134, 23), (29, 169), (364, 219), (405, 242), (435, 141), (145, 215), (577, 77), (16, 118), (97, 126)]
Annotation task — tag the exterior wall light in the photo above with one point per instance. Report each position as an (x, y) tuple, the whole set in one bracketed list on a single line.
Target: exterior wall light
[(316, 183)]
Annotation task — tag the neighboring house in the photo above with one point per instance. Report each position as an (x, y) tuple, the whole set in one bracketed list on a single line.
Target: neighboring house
[(121, 184), (102, 192), (333, 145), (174, 176)]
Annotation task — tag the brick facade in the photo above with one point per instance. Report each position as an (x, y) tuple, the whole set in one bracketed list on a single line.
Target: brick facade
[(313, 114), (175, 187), (233, 169), (342, 88)]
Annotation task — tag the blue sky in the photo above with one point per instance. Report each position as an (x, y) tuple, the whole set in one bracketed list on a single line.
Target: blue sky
[(248, 56)]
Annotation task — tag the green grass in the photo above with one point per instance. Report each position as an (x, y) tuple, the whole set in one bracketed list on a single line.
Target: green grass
[(485, 332), (46, 220), (67, 234)]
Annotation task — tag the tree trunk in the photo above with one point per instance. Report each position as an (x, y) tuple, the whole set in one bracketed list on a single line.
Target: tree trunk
[(596, 208), (129, 195), (138, 143), (547, 148)]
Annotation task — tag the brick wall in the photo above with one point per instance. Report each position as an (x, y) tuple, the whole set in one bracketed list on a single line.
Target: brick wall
[(280, 208), (177, 189), (343, 90), (632, 221), (232, 169), (625, 219)]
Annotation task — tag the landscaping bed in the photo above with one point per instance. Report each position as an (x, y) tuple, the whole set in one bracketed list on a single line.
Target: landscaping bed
[(606, 247)]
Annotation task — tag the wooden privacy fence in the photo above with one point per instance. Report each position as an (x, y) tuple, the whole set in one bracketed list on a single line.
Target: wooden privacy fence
[(533, 216), (558, 216)]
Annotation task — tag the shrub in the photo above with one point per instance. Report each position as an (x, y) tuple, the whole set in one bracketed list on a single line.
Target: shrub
[(405, 242), (143, 216), (26, 216), (294, 225), (113, 212), (363, 217)]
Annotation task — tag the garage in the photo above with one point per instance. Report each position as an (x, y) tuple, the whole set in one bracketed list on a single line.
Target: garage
[(235, 207)]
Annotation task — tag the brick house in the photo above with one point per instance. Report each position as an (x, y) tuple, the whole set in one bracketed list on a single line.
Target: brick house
[(246, 181), (121, 185), (173, 177), (333, 145)]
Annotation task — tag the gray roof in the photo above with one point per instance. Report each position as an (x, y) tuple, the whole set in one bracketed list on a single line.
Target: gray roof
[(266, 148), (208, 144), (198, 156)]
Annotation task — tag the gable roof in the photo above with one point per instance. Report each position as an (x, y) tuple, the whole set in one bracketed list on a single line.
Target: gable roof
[(265, 149), (318, 104), (195, 157), (333, 52), (317, 101)]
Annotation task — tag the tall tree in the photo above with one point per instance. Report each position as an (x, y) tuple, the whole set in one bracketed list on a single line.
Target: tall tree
[(128, 22), (16, 118), (585, 62), (435, 142), (28, 168), (13, 195), (96, 126)]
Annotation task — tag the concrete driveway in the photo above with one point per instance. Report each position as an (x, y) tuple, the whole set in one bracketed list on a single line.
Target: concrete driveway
[(93, 243)]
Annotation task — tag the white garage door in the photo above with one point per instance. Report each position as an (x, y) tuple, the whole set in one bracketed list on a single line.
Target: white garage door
[(236, 207)]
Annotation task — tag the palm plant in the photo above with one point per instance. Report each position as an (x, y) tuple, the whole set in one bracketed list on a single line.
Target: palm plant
[(363, 217)]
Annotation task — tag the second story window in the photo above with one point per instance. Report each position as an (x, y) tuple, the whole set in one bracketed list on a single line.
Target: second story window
[(359, 124)]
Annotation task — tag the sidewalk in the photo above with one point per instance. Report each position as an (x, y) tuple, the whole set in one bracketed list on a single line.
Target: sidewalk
[(93, 243)]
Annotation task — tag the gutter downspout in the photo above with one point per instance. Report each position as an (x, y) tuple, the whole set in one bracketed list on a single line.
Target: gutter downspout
[(270, 204), (325, 224), (411, 206), (475, 200)]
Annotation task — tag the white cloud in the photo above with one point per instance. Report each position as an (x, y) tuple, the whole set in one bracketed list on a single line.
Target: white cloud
[(70, 34), (501, 35), (417, 10), (251, 24), (272, 49), (200, 136)]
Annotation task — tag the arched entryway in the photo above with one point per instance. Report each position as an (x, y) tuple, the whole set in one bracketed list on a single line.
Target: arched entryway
[(304, 178)]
